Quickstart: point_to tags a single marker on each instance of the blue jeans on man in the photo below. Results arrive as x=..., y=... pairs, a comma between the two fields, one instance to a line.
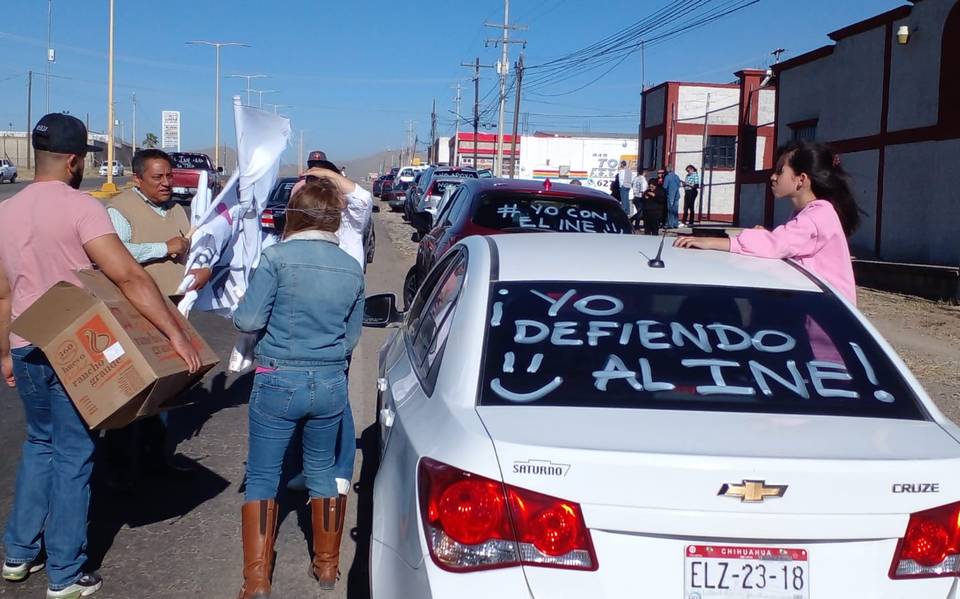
x=53, y=479
x=280, y=400
x=625, y=199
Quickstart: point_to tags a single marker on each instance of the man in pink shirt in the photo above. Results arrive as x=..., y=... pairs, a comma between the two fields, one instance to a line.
x=51, y=230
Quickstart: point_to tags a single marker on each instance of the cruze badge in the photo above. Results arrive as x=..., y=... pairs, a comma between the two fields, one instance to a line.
x=752, y=491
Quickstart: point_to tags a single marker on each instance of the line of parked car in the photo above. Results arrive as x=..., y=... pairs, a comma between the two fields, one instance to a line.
x=445, y=204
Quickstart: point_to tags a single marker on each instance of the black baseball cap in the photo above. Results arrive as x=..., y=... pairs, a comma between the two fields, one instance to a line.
x=61, y=134
x=317, y=158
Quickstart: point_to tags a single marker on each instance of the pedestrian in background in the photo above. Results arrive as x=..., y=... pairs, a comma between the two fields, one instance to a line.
x=50, y=231
x=825, y=215
x=671, y=185
x=691, y=187
x=625, y=182
x=654, y=206
x=305, y=300
x=639, y=187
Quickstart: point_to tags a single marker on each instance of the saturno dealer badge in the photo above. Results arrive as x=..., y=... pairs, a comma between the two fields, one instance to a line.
x=541, y=468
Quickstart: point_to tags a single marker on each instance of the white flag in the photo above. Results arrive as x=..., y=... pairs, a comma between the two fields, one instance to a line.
x=228, y=236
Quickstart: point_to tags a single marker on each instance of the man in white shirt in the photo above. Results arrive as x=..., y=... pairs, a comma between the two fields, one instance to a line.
x=639, y=187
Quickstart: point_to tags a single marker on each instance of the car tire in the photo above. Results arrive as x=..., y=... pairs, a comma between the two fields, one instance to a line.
x=13, y=179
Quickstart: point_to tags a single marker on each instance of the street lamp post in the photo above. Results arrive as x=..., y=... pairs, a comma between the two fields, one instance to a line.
x=217, y=45
x=109, y=186
x=260, y=93
x=248, y=78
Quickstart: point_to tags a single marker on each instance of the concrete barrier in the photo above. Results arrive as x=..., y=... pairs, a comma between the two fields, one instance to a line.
x=939, y=283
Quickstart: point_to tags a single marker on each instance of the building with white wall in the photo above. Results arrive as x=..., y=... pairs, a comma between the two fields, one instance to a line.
x=886, y=95
x=701, y=124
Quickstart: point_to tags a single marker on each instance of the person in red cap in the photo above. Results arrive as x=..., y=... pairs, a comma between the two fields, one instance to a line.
x=50, y=231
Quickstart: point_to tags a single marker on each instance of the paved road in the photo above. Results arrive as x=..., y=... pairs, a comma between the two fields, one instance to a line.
x=89, y=184
x=182, y=540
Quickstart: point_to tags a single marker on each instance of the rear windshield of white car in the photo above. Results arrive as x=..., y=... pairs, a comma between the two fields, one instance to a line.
x=512, y=211
x=679, y=347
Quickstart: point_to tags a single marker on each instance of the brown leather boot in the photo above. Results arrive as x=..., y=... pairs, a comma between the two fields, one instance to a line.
x=328, y=514
x=259, y=531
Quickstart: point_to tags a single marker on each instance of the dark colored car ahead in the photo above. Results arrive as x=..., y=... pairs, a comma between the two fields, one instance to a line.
x=395, y=194
x=274, y=217
x=496, y=206
x=377, y=188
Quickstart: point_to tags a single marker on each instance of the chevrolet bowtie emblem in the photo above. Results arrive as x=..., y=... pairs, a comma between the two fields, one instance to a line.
x=752, y=491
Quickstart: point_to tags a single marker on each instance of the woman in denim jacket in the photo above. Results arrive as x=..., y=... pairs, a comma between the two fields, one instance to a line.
x=306, y=302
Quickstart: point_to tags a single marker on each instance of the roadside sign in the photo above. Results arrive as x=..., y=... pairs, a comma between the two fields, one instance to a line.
x=170, y=132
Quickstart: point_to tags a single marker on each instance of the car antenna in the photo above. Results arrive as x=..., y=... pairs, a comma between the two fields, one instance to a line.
x=656, y=262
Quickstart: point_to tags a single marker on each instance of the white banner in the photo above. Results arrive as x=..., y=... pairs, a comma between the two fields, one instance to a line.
x=228, y=235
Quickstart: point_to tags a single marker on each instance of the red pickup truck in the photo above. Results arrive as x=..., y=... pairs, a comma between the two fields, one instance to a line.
x=186, y=174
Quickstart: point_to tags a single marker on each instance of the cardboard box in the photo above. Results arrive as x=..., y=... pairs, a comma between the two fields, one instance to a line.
x=114, y=364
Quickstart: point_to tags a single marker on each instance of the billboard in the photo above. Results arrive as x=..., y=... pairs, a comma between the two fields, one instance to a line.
x=170, y=130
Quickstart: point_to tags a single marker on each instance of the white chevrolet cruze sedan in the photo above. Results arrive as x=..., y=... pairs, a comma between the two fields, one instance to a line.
x=562, y=418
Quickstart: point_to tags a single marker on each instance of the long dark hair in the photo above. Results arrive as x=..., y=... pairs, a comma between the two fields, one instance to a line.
x=828, y=180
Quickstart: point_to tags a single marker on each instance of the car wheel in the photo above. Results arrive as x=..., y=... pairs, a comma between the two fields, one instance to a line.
x=13, y=179
x=410, y=286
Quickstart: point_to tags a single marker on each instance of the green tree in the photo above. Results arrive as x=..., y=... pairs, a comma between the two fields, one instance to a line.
x=150, y=141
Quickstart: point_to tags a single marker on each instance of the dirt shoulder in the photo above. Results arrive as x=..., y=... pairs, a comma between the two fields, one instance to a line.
x=926, y=334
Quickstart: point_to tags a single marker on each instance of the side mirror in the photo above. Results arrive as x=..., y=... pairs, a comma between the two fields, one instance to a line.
x=220, y=169
x=380, y=311
x=422, y=222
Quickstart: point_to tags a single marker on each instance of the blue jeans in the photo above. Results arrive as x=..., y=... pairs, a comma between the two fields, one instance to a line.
x=53, y=479
x=346, y=446
x=673, y=208
x=625, y=199
x=279, y=401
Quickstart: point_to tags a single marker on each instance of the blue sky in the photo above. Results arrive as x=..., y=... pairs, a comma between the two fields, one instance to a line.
x=356, y=72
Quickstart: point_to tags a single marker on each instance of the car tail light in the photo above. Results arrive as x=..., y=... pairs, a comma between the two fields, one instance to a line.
x=931, y=545
x=266, y=219
x=475, y=523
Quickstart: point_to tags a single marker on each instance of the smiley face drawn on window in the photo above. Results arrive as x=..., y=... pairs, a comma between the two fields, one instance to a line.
x=524, y=396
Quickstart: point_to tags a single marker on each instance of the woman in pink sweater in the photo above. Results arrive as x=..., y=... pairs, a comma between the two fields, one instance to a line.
x=825, y=214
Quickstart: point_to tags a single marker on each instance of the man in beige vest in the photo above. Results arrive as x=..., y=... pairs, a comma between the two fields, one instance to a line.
x=154, y=229
x=152, y=226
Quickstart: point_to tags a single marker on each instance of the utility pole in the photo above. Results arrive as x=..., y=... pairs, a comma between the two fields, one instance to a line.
x=216, y=112
x=133, y=142
x=776, y=54
x=476, y=106
x=503, y=70
x=456, y=138
x=51, y=55
x=643, y=88
x=29, y=115
x=516, y=119
x=410, y=148
x=431, y=153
